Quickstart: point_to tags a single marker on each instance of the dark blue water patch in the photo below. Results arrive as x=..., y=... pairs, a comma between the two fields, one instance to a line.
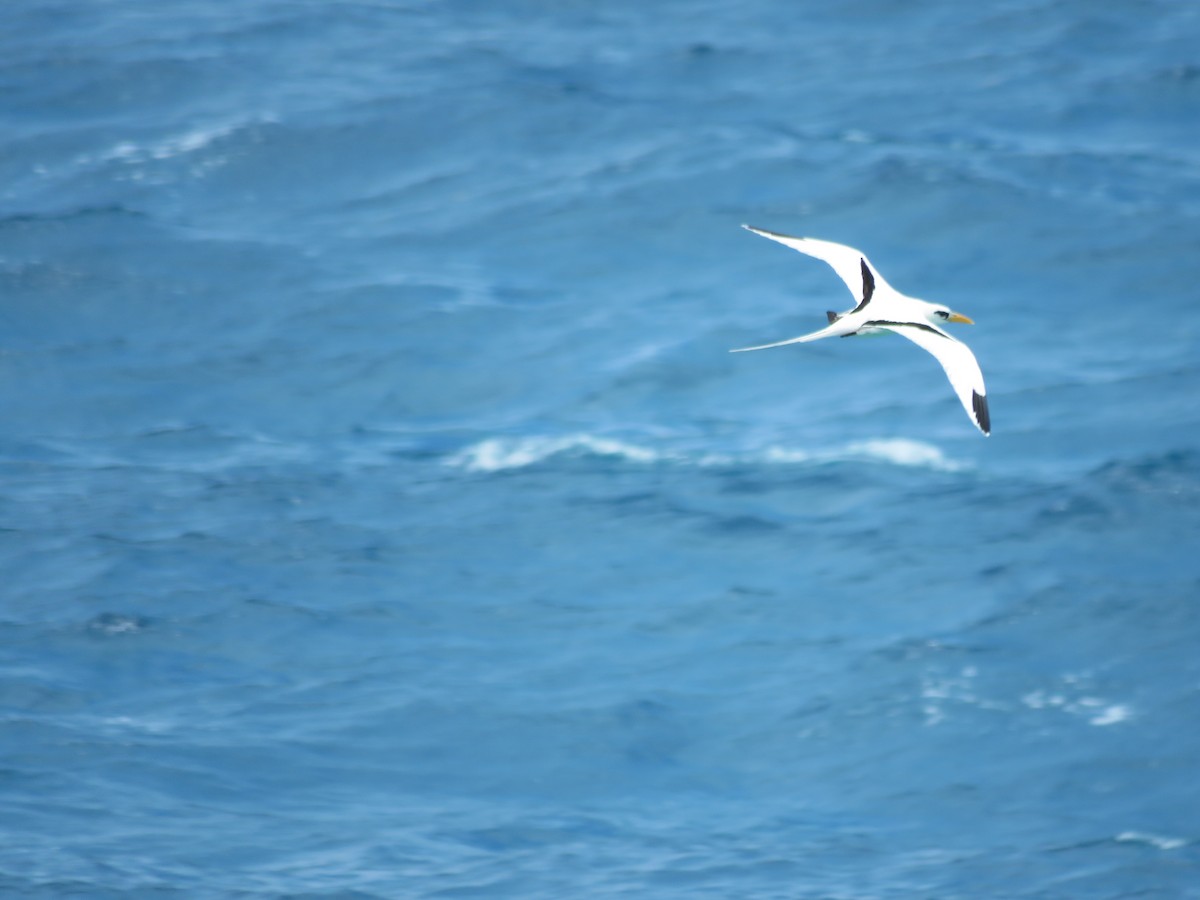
x=1176, y=474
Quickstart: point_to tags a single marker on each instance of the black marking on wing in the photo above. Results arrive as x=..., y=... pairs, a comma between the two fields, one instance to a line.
x=979, y=404
x=868, y=285
x=881, y=323
x=832, y=316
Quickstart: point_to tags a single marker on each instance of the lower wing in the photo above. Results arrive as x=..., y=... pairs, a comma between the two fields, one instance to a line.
x=961, y=368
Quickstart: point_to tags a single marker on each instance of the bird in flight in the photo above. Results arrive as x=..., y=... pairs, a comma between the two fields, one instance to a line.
x=881, y=308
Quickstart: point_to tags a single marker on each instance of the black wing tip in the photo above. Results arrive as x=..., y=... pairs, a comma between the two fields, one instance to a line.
x=982, y=418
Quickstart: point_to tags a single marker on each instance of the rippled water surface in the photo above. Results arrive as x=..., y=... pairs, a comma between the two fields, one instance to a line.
x=382, y=514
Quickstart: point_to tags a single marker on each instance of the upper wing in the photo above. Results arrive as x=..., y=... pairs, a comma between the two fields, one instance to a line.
x=960, y=365
x=834, y=328
x=851, y=266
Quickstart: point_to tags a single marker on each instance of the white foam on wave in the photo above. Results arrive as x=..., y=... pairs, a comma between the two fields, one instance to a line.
x=499, y=454
x=1154, y=840
x=1111, y=715
x=942, y=692
x=1096, y=710
x=896, y=451
x=504, y=453
x=188, y=142
x=180, y=144
x=902, y=452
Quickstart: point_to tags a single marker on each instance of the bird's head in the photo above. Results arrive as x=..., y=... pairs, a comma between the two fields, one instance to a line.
x=940, y=314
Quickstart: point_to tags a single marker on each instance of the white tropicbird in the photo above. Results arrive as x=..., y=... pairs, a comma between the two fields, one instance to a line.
x=882, y=308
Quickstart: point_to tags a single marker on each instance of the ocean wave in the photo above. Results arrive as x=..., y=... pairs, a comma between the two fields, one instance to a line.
x=1153, y=840
x=942, y=693
x=505, y=453
x=181, y=144
x=195, y=449
x=1097, y=711
x=499, y=454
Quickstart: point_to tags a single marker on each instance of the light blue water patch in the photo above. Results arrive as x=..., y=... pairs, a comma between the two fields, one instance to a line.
x=382, y=513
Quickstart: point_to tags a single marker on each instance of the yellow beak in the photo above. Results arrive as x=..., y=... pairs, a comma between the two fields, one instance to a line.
x=958, y=317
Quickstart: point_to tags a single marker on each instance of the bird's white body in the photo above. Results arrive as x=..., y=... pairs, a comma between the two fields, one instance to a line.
x=881, y=308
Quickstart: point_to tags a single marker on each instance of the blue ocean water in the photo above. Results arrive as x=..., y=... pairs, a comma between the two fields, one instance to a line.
x=382, y=514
